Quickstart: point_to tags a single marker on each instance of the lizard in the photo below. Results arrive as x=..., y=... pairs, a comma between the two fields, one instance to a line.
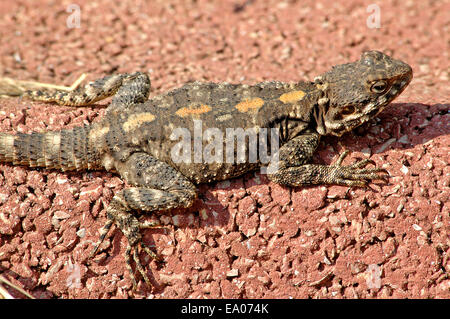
x=133, y=139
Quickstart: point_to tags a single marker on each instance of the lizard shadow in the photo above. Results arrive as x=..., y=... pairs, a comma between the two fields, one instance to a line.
x=419, y=122
x=400, y=126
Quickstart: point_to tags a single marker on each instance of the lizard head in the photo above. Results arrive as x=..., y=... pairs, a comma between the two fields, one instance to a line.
x=353, y=93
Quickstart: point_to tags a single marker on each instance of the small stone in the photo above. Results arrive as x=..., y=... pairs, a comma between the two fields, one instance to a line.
x=233, y=273
x=81, y=232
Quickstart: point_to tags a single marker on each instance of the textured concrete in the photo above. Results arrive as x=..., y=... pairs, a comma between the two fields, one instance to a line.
x=244, y=238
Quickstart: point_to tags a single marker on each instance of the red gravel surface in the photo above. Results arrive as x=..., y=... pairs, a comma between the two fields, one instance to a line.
x=247, y=237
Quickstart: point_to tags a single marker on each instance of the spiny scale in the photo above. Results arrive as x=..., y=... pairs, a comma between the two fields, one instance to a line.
x=65, y=150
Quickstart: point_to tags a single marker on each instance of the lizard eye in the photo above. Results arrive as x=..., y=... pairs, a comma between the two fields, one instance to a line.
x=379, y=87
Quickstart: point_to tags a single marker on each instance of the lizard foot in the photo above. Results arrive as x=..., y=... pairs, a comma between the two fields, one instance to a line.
x=356, y=174
x=131, y=227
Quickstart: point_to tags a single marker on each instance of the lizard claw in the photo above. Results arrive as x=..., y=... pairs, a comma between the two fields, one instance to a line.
x=134, y=243
x=356, y=174
x=132, y=252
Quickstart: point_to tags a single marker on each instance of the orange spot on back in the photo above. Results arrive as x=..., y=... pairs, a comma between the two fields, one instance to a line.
x=250, y=104
x=97, y=133
x=136, y=120
x=291, y=97
x=185, y=111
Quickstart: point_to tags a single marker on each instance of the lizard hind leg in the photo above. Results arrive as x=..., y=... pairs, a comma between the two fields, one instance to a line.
x=130, y=226
x=120, y=212
x=130, y=88
x=156, y=187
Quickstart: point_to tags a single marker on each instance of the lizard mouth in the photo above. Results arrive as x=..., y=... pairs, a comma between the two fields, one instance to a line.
x=347, y=122
x=372, y=109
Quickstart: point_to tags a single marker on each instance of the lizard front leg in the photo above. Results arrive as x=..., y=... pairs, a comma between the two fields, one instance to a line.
x=294, y=169
x=157, y=186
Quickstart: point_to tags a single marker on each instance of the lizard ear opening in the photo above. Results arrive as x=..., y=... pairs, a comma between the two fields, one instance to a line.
x=349, y=109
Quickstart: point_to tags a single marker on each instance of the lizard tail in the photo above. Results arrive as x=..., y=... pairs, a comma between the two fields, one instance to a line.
x=65, y=150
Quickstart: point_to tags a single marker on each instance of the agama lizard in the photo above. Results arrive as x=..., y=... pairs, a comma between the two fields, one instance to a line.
x=134, y=138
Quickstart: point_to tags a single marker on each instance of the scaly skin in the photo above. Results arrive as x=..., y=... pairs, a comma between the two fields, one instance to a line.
x=136, y=137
